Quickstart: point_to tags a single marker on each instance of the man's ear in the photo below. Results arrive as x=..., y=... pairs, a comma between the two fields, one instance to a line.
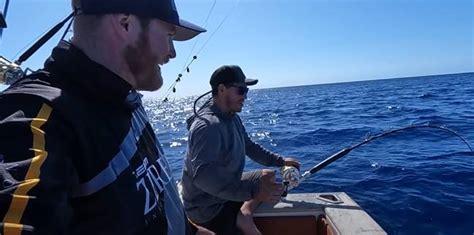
x=124, y=21
x=221, y=88
x=119, y=23
x=122, y=26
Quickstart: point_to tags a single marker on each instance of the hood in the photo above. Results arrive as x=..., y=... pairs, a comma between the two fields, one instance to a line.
x=208, y=110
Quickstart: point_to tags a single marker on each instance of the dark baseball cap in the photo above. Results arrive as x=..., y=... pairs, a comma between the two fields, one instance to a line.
x=164, y=10
x=228, y=74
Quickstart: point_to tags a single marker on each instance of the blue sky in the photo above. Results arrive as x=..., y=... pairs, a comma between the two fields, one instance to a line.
x=292, y=42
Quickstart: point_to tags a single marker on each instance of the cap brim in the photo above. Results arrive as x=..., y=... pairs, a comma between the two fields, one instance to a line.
x=186, y=30
x=250, y=81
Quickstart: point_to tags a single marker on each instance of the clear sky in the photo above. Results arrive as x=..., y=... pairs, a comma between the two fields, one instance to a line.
x=291, y=42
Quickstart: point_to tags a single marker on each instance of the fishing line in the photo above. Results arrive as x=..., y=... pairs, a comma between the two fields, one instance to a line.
x=196, y=41
x=67, y=29
x=293, y=178
x=186, y=64
x=218, y=27
x=172, y=88
x=5, y=10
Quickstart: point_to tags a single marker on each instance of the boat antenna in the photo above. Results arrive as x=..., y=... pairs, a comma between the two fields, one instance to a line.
x=345, y=151
x=186, y=67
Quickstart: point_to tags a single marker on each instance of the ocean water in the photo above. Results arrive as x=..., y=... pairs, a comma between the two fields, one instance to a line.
x=414, y=182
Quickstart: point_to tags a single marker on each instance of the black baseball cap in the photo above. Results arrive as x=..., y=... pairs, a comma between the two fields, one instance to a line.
x=164, y=10
x=228, y=74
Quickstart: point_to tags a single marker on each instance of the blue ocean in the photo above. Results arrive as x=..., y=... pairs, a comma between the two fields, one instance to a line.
x=419, y=181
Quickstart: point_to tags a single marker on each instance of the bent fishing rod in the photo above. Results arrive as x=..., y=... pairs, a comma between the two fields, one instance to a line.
x=292, y=178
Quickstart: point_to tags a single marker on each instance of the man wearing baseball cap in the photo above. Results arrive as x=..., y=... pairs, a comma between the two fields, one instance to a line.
x=217, y=194
x=77, y=152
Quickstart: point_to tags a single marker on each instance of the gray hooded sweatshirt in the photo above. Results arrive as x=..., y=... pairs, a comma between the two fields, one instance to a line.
x=213, y=168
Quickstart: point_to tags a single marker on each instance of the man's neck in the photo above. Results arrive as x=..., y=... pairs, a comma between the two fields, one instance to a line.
x=106, y=54
x=221, y=105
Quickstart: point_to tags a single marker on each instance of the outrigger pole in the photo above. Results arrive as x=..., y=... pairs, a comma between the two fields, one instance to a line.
x=3, y=16
x=43, y=40
x=10, y=72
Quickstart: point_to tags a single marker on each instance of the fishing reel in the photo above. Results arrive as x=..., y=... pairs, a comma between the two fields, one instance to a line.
x=10, y=72
x=290, y=178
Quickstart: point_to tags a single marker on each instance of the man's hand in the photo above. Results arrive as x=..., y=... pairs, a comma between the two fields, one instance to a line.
x=292, y=162
x=269, y=190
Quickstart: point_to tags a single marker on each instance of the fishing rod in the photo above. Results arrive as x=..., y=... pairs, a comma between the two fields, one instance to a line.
x=10, y=72
x=291, y=175
x=28, y=53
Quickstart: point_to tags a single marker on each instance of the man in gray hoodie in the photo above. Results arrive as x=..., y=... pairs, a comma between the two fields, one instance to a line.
x=217, y=194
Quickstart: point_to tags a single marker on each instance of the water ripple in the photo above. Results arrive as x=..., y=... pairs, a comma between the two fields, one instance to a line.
x=416, y=182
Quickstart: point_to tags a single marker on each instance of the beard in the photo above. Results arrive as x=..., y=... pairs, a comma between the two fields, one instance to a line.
x=233, y=105
x=143, y=64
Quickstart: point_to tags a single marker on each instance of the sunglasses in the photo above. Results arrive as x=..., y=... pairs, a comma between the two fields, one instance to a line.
x=242, y=90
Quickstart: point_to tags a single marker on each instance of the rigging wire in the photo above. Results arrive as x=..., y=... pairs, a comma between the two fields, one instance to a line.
x=67, y=29
x=218, y=27
x=196, y=41
x=186, y=68
x=5, y=10
x=186, y=64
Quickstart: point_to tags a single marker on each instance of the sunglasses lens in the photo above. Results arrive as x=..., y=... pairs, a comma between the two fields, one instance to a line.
x=243, y=90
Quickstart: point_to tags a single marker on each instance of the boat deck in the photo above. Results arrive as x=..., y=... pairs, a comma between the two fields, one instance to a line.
x=315, y=213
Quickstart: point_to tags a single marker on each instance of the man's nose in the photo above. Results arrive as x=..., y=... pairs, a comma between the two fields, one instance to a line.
x=172, y=51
